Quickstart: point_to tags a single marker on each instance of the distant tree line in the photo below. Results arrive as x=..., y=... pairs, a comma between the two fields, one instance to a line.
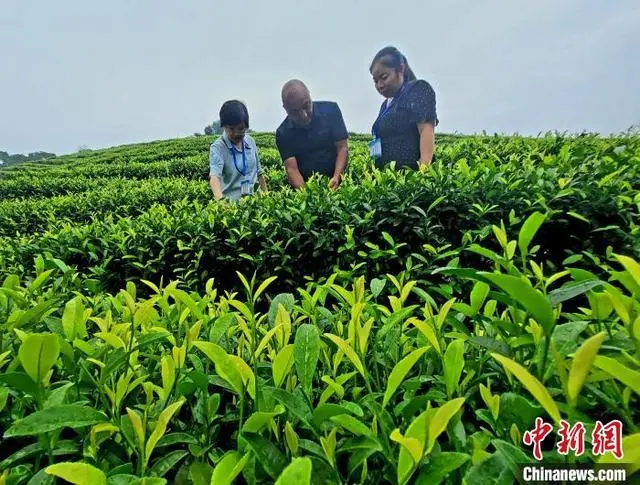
x=214, y=129
x=6, y=159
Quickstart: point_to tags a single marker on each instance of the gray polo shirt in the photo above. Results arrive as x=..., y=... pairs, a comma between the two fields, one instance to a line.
x=221, y=165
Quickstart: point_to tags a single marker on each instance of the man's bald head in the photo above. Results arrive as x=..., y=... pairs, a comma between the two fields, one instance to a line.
x=296, y=101
x=294, y=89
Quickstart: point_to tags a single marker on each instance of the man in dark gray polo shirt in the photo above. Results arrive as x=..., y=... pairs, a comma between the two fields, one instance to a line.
x=312, y=138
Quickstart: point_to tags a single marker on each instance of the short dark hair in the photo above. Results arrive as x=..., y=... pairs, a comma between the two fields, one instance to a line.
x=393, y=59
x=233, y=113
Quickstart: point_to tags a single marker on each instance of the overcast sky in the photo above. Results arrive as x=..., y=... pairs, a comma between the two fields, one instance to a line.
x=101, y=73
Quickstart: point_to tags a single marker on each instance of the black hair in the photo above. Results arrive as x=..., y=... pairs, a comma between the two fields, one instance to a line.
x=393, y=59
x=233, y=113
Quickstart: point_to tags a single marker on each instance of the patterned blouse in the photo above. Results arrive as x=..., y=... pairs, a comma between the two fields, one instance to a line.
x=398, y=130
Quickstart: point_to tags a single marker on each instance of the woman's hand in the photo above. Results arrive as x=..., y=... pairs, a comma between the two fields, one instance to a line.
x=216, y=187
x=262, y=182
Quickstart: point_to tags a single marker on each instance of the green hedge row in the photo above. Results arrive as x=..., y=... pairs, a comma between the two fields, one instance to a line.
x=593, y=205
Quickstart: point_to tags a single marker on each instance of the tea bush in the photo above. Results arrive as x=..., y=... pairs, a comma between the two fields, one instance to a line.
x=407, y=328
x=592, y=204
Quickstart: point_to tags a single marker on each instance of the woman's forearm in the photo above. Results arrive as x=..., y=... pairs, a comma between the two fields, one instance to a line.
x=216, y=188
x=427, y=142
x=263, y=183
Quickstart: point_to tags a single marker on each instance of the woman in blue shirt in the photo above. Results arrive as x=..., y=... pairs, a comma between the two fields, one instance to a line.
x=404, y=130
x=234, y=163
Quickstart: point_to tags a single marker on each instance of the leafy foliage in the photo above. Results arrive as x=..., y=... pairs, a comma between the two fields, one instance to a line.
x=408, y=328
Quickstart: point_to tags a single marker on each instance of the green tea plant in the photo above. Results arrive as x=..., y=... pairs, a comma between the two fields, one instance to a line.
x=297, y=234
x=407, y=328
x=343, y=382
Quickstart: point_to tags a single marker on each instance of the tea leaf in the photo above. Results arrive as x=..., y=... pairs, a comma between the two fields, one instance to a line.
x=37, y=283
x=427, y=331
x=377, y=285
x=270, y=457
x=265, y=341
x=531, y=299
x=175, y=438
x=328, y=444
x=78, y=473
x=479, y=294
x=73, y=319
x=491, y=344
x=220, y=327
x=533, y=385
x=58, y=396
x=229, y=467
x=412, y=445
x=4, y=396
x=258, y=420
x=439, y=466
x=282, y=364
x=161, y=427
x=37, y=355
x=453, y=364
x=297, y=472
x=631, y=266
x=306, y=353
x=490, y=471
x=351, y=424
x=528, y=231
x=295, y=405
x=571, y=290
x=348, y=351
x=512, y=456
x=148, y=481
x=166, y=463
x=168, y=373
x=440, y=419
x=263, y=287
x=581, y=365
x=55, y=418
x=325, y=411
x=287, y=300
x=200, y=473
x=622, y=373
x=400, y=371
x=291, y=438
x=138, y=428
x=225, y=368
x=565, y=336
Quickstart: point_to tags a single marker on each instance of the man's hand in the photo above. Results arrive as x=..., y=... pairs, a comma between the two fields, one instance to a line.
x=334, y=183
x=424, y=166
x=342, y=153
x=293, y=173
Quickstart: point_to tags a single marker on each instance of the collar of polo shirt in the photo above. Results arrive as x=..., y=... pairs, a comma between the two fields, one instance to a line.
x=230, y=145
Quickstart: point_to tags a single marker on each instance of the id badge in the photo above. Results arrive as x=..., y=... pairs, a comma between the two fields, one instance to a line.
x=245, y=187
x=375, y=148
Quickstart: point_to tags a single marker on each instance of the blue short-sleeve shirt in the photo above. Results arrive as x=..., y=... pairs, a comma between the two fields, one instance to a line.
x=222, y=166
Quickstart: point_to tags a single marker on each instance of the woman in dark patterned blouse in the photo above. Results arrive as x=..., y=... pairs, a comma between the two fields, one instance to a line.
x=404, y=130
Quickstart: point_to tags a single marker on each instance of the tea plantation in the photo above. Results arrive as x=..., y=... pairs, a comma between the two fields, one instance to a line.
x=407, y=328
